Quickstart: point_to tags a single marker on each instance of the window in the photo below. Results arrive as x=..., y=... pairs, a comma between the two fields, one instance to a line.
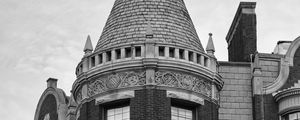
x=128, y=52
x=191, y=56
x=181, y=114
x=93, y=61
x=161, y=51
x=181, y=53
x=205, y=61
x=292, y=116
x=100, y=58
x=108, y=56
x=138, y=51
x=171, y=52
x=121, y=113
x=198, y=58
x=118, y=53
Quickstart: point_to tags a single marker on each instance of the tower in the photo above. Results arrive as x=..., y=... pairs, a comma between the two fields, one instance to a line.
x=148, y=64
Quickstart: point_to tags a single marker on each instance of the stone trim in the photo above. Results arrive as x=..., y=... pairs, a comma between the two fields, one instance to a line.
x=169, y=64
x=80, y=69
x=134, y=80
x=225, y=63
x=286, y=93
x=60, y=100
x=286, y=63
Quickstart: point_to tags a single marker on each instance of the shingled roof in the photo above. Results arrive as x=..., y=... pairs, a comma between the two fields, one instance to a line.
x=169, y=19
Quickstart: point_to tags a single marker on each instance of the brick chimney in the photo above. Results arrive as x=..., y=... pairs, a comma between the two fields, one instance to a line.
x=241, y=37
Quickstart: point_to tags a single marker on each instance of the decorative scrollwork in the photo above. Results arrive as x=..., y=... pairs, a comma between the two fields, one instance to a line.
x=114, y=81
x=184, y=81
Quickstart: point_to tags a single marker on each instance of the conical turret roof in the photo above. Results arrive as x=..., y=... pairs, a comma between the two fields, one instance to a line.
x=169, y=20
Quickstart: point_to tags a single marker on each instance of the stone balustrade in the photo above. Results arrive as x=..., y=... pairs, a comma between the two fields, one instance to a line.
x=137, y=51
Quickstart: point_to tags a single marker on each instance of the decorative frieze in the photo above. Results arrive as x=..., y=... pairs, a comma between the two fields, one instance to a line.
x=138, y=78
x=117, y=80
x=184, y=81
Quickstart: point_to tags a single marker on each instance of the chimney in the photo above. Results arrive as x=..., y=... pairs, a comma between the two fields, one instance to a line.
x=241, y=37
x=52, y=82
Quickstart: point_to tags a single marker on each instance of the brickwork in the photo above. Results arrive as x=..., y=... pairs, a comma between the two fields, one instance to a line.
x=208, y=112
x=150, y=104
x=49, y=106
x=269, y=71
x=294, y=75
x=265, y=107
x=169, y=19
x=90, y=111
x=242, y=36
x=236, y=95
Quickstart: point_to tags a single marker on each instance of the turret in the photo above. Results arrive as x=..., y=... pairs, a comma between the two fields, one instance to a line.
x=88, y=47
x=210, y=48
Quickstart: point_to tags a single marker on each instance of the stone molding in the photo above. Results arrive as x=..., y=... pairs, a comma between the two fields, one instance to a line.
x=286, y=93
x=184, y=81
x=133, y=80
x=288, y=100
x=170, y=64
x=60, y=101
x=286, y=63
x=115, y=81
x=85, y=67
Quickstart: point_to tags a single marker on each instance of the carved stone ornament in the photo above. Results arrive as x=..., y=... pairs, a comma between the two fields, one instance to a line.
x=117, y=80
x=184, y=81
x=79, y=95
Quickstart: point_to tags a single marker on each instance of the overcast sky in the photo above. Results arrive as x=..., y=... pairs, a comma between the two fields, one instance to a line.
x=44, y=38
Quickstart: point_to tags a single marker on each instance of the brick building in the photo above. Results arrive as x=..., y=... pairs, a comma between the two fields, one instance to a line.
x=149, y=64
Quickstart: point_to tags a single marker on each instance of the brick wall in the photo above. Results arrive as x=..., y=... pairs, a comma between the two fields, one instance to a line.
x=242, y=34
x=150, y=104
x=49, y=106
x=265, y=107
x=236, y=95
x=270, y=66
x=90, y=111
x=269, y=71
x=208, y=112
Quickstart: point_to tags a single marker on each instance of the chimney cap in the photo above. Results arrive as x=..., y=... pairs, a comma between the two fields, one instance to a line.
x=52, y=82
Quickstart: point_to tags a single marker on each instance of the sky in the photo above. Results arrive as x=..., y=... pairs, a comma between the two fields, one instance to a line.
x=45, y=38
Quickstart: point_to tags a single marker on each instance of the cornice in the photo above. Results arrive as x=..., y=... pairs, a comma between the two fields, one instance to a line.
x=286, y=93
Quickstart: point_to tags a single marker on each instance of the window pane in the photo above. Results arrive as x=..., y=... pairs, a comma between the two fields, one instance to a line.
x=126, y=115
x=189, y=114
x=110, y=112
x=181, y=114
x=122, y=113
x=118, y=117
x=293, y=116
x=126, y=109
x=111, y=118
x=118, y=111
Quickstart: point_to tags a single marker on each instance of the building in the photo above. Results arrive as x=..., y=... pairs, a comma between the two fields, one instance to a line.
x=149, y=64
